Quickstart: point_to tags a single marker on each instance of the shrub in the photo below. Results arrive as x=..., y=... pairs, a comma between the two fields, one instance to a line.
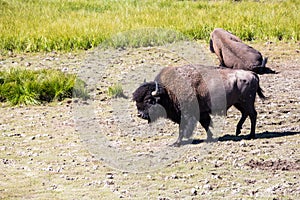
x=29, y=87
x=116, y=90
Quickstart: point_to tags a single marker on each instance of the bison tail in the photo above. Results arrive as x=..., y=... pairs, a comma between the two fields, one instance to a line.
x=260, y=93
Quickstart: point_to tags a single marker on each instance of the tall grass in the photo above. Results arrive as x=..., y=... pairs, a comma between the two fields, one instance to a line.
x=20, y=86
x=66, y=25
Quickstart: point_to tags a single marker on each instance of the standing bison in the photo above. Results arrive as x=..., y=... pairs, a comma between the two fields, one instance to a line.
x=188, y=94
x=233, y=53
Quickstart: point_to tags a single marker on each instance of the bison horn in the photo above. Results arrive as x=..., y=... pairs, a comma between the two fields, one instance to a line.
x=155, y=93
x=264, y=62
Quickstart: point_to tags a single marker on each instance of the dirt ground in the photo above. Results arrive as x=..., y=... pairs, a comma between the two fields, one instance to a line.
x=99, y=149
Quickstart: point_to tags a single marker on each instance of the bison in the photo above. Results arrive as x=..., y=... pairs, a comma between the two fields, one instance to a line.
x=188, y=94
x=233, y=53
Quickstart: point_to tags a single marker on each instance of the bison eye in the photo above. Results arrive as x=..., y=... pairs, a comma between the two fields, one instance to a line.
x=150, y=101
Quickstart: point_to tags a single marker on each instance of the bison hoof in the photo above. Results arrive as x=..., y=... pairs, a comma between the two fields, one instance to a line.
x=175, y=144
x=237, y=132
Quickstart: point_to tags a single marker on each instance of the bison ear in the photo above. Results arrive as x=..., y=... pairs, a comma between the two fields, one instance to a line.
x=144, y=80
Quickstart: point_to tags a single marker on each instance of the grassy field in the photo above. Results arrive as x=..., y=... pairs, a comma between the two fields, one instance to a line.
x=48, y=25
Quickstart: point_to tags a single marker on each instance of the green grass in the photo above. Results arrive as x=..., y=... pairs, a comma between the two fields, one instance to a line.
x=65, y=25
x=115, y=90
x=20, y=86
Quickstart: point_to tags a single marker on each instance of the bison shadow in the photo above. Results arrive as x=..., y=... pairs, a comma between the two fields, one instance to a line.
x=263, y=135
x=265, y=70
x=259, y=70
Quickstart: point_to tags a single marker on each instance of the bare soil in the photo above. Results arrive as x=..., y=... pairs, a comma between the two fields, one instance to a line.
x=274, y=165
x=44, y=153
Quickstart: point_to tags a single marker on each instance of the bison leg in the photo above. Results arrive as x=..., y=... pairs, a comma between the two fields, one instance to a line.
x=179, y=140
x=205, y=121
x=247, y=111
x=253, y=116
x=240, y=124
x=186, y=128
x=242, y=120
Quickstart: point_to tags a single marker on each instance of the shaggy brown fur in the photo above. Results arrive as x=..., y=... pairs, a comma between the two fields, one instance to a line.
x=233, y=53
x=190, y=93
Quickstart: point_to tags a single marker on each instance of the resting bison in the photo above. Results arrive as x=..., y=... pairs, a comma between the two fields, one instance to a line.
x=185, y=95
x=233, y=53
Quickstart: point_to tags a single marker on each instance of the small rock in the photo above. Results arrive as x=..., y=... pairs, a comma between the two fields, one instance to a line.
x=96, y=167
x=217, y=176
x=70, y=101
x=53, y=187
x=109, y=176
x=70, y=178
x=48, y=59
x=108, y=182
x=85, y=103
x=250, y=181
x=243, y=144
x=174, y=176
x=3, y=148
x=65, y=69
x=149, y=176
x=207, y=187
x=17, y=135
x=197, y=187
x=163, y=198
x=194, y=192
x=27, y=64
x=177, y=191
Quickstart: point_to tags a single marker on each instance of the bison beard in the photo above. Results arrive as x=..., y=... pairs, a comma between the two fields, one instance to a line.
x=181, y=95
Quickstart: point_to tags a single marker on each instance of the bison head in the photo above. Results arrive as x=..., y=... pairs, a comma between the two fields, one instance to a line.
x=147, y=98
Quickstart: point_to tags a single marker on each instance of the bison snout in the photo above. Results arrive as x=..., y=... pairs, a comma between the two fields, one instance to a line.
x=142, y=115
x=139, y=114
